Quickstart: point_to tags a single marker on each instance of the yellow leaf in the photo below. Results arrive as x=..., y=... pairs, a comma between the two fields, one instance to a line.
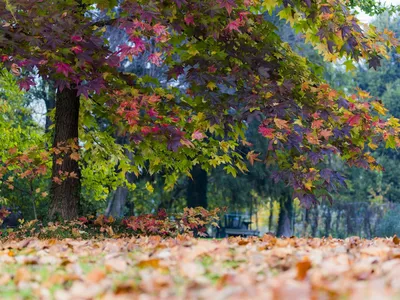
x=270, y=5
x=308, y=185
x=211, y=85
x=372, y=146
x=149, y=187
x=379, y=107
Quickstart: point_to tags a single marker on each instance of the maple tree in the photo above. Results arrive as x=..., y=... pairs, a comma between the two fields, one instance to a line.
x=236, y=68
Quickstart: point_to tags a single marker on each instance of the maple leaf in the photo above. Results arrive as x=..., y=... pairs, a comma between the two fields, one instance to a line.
x=212, y=69
x=312, y=139
x=155, y=58
x=252, y=157
x=281, y=124
x=76, y=38
x=26, y=83
x=77, y=49
x=227, y=4
x=189, y=19
x=63, y=68
x=266, y=132
x=326, y=133
x=211, y=85
x=197, y=135
x=354, y=120
x=75, y=156
x=57, y=180
x=234, y=25
x=316, y=124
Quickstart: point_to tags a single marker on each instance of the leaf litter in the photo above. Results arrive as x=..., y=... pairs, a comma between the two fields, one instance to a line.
x=189, y=268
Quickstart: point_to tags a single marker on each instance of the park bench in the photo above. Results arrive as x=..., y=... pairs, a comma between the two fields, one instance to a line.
x=236, y=225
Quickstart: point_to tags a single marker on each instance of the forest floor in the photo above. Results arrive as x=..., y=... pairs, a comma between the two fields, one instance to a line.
x=188, y=268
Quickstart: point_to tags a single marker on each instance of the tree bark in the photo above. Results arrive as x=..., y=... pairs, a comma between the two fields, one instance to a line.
x=65, y=195
x=328, y=220
x=197, y=188
x=271, y=214
x=306, y=221
x=117, y=202
x=285, y=217
x=315, y=221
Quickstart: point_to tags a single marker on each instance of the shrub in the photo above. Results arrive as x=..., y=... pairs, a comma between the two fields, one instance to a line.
x=192, y=221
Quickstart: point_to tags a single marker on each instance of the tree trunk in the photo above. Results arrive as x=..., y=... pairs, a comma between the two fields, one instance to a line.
x=197, y=188
x=271, y=214
x=315, y=220
x=117, y=202
x=285, y=217
x=306, y=221
x=65, y=195
x=328, y=220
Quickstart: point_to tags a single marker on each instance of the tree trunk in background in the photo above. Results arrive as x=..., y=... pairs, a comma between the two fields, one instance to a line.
x=339, y=215
x=306, y=221
x=117, y=202
x=271, y=214
x=65, y=196
x=349, y=220
x=328, y=220
x=197, y=188
x=285, y=217
x=315, y=220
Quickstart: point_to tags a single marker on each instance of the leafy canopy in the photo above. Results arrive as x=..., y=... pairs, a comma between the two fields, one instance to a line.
x=227, y=67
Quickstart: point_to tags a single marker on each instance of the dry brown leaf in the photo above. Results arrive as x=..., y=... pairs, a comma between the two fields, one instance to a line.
x=149, y=263
x=95, y=276
x=302, y=268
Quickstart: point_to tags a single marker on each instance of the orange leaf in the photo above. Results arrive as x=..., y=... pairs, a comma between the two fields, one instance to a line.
x=302, y=268
x=281, y=124
x=252, y=157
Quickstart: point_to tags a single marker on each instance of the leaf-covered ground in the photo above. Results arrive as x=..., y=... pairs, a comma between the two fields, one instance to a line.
x=188, y=268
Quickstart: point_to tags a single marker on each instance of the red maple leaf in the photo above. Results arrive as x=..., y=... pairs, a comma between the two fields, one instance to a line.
x=76, y=38
x=155, y=58
x=316, y=124
x=63, y=68
x=189, y=20
x=227, y=4
x=234, y=25
x=77, y=49
x=354, y=120
x=266, y=132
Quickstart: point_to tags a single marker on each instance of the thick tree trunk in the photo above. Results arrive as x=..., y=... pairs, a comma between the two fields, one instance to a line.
x=285, y=217
x=65, y=195
x=197, y=188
